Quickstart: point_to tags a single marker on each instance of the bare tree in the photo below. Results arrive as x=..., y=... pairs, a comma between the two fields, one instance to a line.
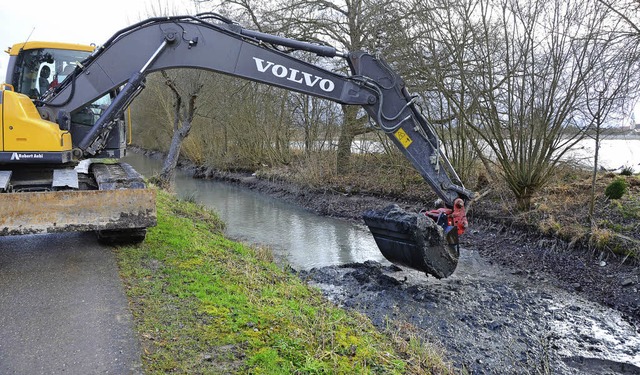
x=316, y=118
x=626, y=11
x=348, y=24
x=607, y=100
x=524, y=73
x=513, y=72
x=185, y=87
x=437, y=59
x=184, y=109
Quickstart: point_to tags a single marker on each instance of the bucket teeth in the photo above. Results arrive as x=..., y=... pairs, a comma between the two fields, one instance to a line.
x=414, y=240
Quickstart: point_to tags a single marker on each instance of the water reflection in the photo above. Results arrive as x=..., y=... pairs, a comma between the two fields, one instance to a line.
x=301, y=237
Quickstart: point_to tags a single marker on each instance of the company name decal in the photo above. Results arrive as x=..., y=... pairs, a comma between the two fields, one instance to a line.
x=21, y=156
x=294, y=75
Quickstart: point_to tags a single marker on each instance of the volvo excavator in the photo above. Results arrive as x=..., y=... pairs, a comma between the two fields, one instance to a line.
x=63, y=130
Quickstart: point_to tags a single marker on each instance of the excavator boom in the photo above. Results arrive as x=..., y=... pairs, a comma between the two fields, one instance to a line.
x=208, y=41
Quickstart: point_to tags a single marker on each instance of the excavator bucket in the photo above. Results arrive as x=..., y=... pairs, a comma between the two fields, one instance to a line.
x=414, y=240
x=66, y=211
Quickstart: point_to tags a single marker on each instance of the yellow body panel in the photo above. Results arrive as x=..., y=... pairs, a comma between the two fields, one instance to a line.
x=15, y=49
x=24, y=130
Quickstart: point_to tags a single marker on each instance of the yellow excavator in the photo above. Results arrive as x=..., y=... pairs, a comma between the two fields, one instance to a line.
x=44, y=187
x=62, y=126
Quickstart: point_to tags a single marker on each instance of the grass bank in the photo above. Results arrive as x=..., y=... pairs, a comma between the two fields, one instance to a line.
x=206, y=305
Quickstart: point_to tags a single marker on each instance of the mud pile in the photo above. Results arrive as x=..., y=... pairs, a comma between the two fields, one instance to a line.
x=488, y=320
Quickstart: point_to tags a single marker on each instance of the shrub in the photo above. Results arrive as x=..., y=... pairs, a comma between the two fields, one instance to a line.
x=616, y=189
x=626, y=171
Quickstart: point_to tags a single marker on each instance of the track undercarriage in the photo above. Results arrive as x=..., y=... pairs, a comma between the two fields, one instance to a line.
x=110, y=199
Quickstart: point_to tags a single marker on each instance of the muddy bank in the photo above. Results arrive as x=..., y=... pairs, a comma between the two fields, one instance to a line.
x=607, y=281
x=518, y=303
x=490, y=322
x=535, y=307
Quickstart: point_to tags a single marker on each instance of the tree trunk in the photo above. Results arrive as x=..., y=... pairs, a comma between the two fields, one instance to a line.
x=523, y=202
x=592, y=201
x=166, y=180
x=183, y=117
x=343, y=158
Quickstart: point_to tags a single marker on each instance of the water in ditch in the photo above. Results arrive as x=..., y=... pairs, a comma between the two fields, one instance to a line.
x=300, y=237
x=488, y=320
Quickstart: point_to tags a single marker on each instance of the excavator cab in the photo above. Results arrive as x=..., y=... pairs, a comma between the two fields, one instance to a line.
x=35, y=67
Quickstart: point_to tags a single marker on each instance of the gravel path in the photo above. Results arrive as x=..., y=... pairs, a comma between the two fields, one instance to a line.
x=63, y=308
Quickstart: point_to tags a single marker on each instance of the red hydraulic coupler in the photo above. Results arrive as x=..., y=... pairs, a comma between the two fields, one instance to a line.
x=455, y=217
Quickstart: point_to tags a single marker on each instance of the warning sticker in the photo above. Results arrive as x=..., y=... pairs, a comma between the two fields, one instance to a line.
x=403, y=138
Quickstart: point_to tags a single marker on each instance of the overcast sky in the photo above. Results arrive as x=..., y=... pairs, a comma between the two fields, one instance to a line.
x=72, y=21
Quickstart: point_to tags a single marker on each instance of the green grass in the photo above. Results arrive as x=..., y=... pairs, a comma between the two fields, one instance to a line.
x=206, y=305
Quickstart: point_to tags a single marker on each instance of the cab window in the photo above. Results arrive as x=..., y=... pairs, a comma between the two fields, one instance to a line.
x=44, y=68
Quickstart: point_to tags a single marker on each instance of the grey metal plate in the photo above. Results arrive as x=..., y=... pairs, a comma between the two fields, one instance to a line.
x=83, y=166
x=65, y=177
x=5, y=177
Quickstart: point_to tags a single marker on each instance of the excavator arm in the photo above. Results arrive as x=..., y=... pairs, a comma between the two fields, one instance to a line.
x=212, y=42
x=193, y=42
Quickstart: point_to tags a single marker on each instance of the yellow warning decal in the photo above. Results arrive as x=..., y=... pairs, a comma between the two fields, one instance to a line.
x=403, y=138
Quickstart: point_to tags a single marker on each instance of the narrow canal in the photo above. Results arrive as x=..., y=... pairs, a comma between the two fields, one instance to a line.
x=300, y=237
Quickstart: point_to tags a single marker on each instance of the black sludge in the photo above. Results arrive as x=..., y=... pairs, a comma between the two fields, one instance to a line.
x=412, y=240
